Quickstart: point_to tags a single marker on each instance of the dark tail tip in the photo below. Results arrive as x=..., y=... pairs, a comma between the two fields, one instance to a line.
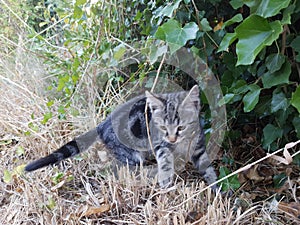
x=66, y=151
x=48, y=160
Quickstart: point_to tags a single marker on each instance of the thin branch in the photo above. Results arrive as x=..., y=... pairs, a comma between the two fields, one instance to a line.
x=158, y=72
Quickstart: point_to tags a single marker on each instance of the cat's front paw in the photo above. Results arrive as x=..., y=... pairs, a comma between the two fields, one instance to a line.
x=215, y=188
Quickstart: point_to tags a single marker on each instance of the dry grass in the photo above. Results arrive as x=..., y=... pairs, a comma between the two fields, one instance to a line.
x=85, y=191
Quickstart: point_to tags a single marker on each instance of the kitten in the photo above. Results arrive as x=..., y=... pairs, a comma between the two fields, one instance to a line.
x=175, y=135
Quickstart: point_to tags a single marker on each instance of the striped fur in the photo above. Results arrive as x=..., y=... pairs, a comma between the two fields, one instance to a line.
x=175, y=135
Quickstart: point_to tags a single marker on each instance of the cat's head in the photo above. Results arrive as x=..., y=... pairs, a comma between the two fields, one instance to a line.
x=175, y=115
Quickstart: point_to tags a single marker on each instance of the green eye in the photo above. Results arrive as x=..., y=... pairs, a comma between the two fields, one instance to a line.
x=180, y=128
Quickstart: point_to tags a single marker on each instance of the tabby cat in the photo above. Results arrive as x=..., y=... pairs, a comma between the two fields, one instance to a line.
x=164, y=126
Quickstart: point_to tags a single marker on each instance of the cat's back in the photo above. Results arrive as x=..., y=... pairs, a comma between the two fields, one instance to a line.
x=128, y=123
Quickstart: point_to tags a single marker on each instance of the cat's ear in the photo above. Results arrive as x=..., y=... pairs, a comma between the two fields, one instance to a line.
x=153, y=102
x=192, y=99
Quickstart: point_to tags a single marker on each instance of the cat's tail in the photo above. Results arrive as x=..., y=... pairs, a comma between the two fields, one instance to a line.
x=72, y=148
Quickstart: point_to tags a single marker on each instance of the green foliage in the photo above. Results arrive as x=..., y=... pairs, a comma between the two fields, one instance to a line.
x=61, y=177
x=251, y=45
x=296, y=46
x=296, y=99
x=251, y=98
x=279, y=180
x=230, y=183
x=296, y=160
x=274, y=62
x=8, y=176
x=175, y=35
x=20, y=151
x=255, y=30
x=271, y=133
x=50, y=204
x=279, y=101
x=278, y=77
x=266, y=8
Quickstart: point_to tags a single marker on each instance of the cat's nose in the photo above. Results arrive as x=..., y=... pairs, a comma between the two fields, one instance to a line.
x=172, y=139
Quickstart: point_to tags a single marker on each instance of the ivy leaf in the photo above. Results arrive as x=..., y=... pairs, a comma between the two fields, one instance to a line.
x=227, y=98
x=286, y=17
x=279, y=77
x=296, y=123
x=175, y=35
x=236, y=19
x=274, y=62
x=263, y=106
x=254, y=33
x=266, y=8
x=227, y=40
x=229, y=183
x=236, y=3
x=251, y=98
x=167, y=10
x=296, y=46
x=279, y=101
x=157, y=51
x=296, y=99
x=271, y=133
x=205, y=25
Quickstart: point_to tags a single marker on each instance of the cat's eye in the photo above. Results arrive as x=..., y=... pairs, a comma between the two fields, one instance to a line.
x=180, y=128
x=163, y=128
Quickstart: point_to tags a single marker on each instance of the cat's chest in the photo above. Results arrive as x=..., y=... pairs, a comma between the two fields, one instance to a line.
x=185, y=148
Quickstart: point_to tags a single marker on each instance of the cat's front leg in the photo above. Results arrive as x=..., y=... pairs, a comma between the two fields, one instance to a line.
x=165, y=163
x=202, y=162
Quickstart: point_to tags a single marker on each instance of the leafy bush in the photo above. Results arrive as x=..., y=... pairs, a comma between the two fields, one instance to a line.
x=252, y=46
